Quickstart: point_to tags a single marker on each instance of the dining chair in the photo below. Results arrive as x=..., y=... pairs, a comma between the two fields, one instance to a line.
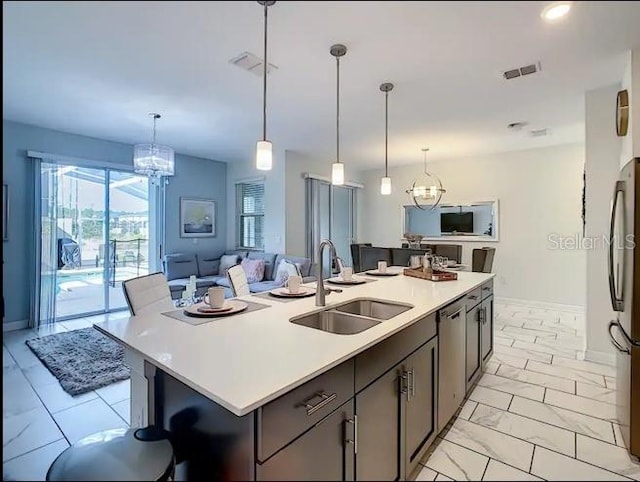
x=482, y=260
x=147, y=294
x=238, y=281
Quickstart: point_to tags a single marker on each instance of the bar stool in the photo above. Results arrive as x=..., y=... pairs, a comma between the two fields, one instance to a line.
x=120, y=454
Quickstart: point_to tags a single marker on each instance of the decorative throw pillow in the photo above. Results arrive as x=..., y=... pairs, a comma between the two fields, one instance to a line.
x=226, y=262
x=285, y=269
x=254, y=269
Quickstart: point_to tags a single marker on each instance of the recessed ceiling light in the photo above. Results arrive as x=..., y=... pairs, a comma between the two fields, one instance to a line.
x=555, y=11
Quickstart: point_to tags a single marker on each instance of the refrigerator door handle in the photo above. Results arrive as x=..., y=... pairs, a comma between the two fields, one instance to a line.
x=615, y=342
x=616, y=303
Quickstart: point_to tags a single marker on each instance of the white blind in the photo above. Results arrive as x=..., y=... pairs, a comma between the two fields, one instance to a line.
x=250, y=215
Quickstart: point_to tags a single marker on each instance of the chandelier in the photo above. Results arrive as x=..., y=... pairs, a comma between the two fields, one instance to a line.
x=153, y=160
x=427, y=192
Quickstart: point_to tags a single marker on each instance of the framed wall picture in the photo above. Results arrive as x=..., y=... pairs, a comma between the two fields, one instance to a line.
x=5, y=211
x=197, y=218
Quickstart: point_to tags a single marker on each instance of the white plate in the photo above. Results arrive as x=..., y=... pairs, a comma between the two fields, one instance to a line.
x=284, y=292
x=236, y=307
x=340, y=281
x=378, y=273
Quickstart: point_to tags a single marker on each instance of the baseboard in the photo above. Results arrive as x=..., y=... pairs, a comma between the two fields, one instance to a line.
x=542, y=304
x=600, y=357
x=15, y=325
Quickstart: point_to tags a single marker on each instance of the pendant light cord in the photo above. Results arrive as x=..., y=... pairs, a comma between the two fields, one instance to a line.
x=337, y=109
x=386, y=134
x=155, y=118
x=425, y=160
x=264, y=79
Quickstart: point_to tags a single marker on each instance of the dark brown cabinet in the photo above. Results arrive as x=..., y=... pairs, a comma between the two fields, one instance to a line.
x=378, y=412
x=396, y=413
x=472, y=345
x=325, y=452
x=486, y=330
x=420, y=370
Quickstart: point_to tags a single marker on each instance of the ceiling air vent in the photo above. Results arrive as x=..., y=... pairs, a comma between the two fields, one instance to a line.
x=539, y=132
x=252, y=63
x=519, y=72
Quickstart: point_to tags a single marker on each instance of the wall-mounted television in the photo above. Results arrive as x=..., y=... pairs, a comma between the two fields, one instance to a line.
x=456, y=222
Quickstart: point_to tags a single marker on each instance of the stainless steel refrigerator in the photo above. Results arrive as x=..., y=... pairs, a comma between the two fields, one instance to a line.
x=624, y=286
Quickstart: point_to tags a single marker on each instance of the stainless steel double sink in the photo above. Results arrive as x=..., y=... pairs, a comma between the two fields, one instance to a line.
x=352, y=316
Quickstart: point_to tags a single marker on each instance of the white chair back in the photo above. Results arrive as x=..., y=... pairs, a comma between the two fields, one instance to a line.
x=147, y=294
x=238, y=281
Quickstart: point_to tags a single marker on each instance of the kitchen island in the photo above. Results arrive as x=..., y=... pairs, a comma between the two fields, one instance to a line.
x=257, y=397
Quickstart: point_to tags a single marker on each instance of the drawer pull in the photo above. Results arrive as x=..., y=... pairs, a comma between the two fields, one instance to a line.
x=486, y=288
x=324, y=400
x=473, y=297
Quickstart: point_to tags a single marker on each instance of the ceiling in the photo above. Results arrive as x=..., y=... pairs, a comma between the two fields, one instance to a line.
x=98, y=69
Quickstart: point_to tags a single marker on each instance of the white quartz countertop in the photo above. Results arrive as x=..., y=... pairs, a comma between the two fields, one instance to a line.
x=244, y=361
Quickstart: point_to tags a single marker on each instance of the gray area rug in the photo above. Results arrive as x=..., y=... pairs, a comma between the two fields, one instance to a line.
x=81, y=360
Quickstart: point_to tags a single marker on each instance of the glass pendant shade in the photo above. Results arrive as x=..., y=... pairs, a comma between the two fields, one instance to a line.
x=385, y=186
x=264, y=156
x=427, y=192
x=153, y=160
x=337, y=173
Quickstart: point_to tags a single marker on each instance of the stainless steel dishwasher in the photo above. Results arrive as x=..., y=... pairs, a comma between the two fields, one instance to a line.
x=452, y=322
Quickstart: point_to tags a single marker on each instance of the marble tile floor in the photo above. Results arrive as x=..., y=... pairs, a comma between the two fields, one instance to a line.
x=539, y=412
x=39, y=418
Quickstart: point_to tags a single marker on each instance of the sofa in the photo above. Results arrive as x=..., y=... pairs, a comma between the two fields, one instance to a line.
x=206, y=266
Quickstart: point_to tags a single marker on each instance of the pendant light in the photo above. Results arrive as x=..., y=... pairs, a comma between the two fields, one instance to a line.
x=153, y=160
x=337, y=168
x=385, y=182
x=426, y=193
x=264, y=148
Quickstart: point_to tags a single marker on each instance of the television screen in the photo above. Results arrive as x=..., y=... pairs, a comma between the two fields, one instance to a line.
x=456, y=222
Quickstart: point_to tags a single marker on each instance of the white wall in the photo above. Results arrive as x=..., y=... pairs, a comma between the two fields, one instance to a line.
x=540, y=194
x=602, y=149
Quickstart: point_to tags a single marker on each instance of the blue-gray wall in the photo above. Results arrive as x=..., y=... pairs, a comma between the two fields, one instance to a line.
x=195, y=177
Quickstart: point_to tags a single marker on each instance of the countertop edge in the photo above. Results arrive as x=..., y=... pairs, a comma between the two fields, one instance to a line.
x=244, y=410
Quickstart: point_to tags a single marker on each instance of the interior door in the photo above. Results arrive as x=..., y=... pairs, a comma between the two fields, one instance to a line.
x=378, y=411
x=420, y=421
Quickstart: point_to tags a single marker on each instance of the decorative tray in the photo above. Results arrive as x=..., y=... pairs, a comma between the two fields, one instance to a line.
x=433, y=275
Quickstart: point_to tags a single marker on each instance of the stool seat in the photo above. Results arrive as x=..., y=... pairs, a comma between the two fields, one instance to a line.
x=118, y=454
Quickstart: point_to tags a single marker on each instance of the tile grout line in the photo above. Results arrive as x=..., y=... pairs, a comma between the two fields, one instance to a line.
x=546, y=448
x=485, y=468
x=487, y=456
x=586, y=382
x=533, y=454
x=37, y=448
x=531, y=383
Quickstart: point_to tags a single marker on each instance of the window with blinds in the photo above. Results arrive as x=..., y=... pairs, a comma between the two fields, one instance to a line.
x=250, y=215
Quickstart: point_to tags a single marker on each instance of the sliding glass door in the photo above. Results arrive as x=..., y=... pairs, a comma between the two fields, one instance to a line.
x=94, y=234
x=331, y=214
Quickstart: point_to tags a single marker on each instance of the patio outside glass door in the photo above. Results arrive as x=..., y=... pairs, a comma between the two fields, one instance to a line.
x=95, y=233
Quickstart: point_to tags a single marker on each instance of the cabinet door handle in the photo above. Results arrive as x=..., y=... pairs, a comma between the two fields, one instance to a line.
x=354, y=442
x=412, y=383
x=404, y=383
x=324, y=400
